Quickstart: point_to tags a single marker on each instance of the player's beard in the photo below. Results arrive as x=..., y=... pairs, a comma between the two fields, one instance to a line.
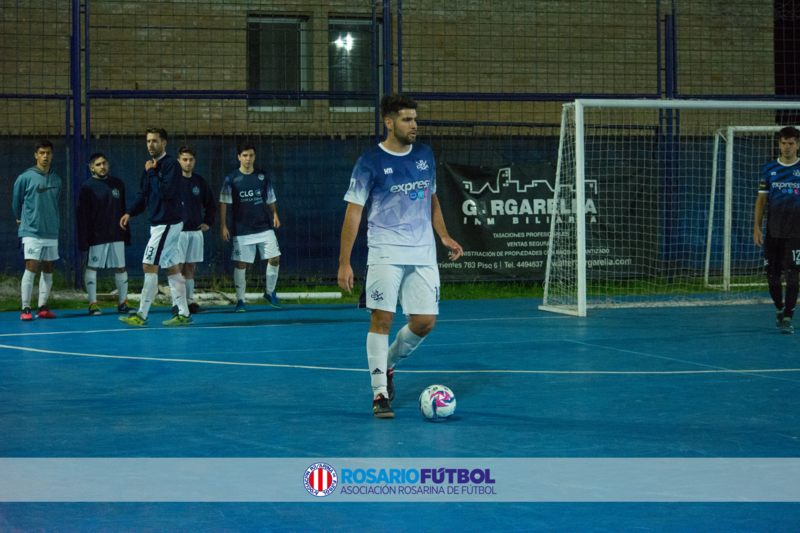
x=405, y=140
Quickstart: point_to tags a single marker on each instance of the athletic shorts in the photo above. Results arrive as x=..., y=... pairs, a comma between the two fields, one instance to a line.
x=40, y=249
x=246, y=253
x=781, y=254
x=190, y=247
x=162, y=248
x=415, y=287
x=107, y=255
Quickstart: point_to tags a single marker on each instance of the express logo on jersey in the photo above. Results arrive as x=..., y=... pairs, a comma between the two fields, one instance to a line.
x=408, y=188
x=196, y=190
x=115, y=193
x=320, y=479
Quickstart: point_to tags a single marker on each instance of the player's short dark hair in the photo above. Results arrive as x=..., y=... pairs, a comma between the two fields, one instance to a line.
x=245, y=146
x=95, y=156
x=789, y=132
x=186, y=149
x=161, y=132
x=42, y=143
x=391, y=104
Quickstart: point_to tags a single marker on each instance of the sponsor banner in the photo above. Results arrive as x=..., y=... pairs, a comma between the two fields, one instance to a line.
x=335, y=480
x=501, y=216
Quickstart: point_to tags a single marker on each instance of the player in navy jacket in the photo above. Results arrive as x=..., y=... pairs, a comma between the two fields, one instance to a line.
x=101, y=240
x=160, y=194
x=779, y=188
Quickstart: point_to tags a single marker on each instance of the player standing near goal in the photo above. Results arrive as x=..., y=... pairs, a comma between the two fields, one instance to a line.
x=160, y=194
x=249, y=192
x=35, y=206
x=102, y=242
x=779, y=188
x=199, y=208
x=400, y=179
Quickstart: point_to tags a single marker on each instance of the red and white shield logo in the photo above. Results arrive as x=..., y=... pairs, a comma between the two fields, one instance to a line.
x=320, y=479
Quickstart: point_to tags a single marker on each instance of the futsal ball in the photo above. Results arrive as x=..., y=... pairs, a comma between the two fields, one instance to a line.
x=437, y=402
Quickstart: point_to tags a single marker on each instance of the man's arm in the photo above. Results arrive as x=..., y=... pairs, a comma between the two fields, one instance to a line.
x=352, y=219
x=276, y=222
x=19, y=197
x=761, y=206
x=223, y=228
x=438, y=224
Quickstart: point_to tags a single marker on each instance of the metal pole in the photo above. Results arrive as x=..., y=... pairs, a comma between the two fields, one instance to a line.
x=75, y=87
x=580, y=197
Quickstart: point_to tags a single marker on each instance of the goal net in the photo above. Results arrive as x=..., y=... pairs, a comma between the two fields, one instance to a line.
x=654, y=204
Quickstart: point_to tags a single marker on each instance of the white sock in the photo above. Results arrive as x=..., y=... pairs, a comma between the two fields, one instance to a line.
x=272, y=277
x=27, y=288
x=149, y=290
x=405, y=343
x=177, y=286
x=189, y=290
x=45, y=282
x=377, y=352
x=122, y=286
x=90, y=279
x=239, y=282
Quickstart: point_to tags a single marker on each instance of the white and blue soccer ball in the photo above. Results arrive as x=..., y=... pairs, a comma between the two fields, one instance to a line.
x=437, y=402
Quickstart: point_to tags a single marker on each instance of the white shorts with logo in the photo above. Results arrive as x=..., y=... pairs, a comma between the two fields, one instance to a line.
x=190, y=247
x=246, y=253
x=162, y=248
x=40, y=249
x=107, y=255
x=416, y=287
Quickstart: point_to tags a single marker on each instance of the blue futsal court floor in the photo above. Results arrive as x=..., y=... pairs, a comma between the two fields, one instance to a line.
x=705, y=382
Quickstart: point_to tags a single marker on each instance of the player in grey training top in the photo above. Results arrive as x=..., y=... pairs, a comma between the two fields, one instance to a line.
x=400, y=179
x=35, y=205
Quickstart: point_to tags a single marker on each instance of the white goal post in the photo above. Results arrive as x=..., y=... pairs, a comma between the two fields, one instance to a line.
x=634, y=223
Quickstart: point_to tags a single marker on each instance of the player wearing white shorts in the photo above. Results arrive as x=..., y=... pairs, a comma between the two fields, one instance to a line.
x=254, y=218
x=101, y=241
x=160, y=194
x=199, y=208
x=399, y=177
x=35, y=206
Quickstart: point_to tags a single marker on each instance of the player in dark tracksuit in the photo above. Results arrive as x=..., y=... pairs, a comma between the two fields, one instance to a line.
x=160, y=194
x=779, y=188
x=102, y=242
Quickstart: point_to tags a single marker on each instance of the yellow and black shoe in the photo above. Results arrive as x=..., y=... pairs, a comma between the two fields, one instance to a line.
x=381, y=407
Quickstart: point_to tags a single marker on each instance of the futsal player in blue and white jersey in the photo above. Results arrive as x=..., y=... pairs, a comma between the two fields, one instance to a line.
x=101, y=241
x=779, y=189
x=35, y=206
x=249, y=192
x=399, y=177
x=160, y=194
x=199, y=209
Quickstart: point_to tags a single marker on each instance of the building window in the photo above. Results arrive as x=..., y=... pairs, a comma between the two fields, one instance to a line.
x=277, y=60
x=350, y=62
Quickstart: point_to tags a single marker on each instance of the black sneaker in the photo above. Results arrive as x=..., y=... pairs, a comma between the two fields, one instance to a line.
x=390, y=383
x=778, y=319
x=786, y=325
x=175, y=311
x=381, y=407
x=196, y=309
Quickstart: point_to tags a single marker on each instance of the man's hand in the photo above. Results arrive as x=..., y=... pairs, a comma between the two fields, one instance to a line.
x=758, y=237
x=455, y=249
x=123, y=222
x=276, y=222
x=346, y=278
x=151, y=163
x=19, y=222
x=203, y=227
x=225, y=234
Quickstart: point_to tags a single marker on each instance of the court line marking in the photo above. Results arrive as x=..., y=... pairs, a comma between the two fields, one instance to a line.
x=716, y=368
x=163, y=328
x=272, y=365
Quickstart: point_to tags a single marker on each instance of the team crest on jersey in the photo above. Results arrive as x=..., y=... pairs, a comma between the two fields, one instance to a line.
x=796, y=173
x=196, y=190
x=261, y=177
x=115, y=193
x=422, y=165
